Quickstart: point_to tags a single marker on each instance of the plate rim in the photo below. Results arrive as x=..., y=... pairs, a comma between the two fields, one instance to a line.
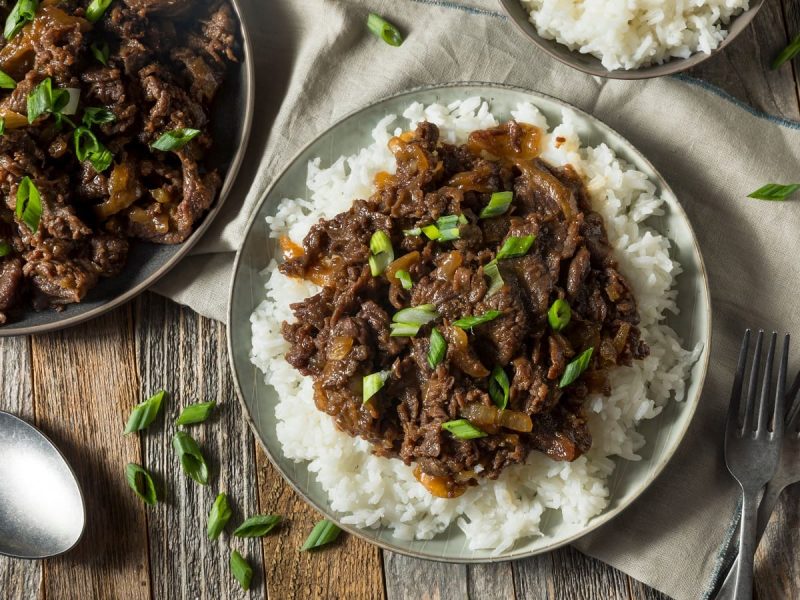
x=597, y=521
x=13, y=329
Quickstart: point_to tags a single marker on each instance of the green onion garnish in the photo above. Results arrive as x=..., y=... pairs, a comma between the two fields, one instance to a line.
x=403, y=329
x=775, y=191
x=144, y=414
x=24, y=11
x=499, y=387
x=431, y=232
x=470, y=322
x=101, y=52
x=417, y=315
x=323, y=533
x=87, y=146
x=257, y=526
x=788, y=53
x=141, y=483
x=57, y=102
x=5, y=248
x=498, y=205
x=373, y=383
x=98, y=116
x=241, y=570
x=96, y=10
x=515, y=247
x=413, y=232
x=559, y=314
x=192, y=460
x=575, y=368
x=438, y=348
x=447, y=221
x=492, y=271
x=7, y=82
x=218, y=517
x=2, y=125
x=384, y=30
x=175, y=139
x=382, y=252
x=195, y=413
x=405, y=279
x=29, y=204
x=463, y=429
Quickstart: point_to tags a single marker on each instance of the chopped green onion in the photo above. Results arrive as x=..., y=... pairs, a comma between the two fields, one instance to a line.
x=775, y=191
x=576, y=367
x=58, y=102
x=498, y=205
x=141, y=483
x=403, y=329
x=101, y=52
x=788, y=53
x=381, y=28
x=448, y=221
x=6, y=81
x=96, y=10
x=2, y=125
x=382, y=252
x=24, y=11
x=87, y=146
x=559, y=314
x=218, y=517
x=175, y=139
x=192, y=460
x=71, y=105
x=515, y=247
x=5, y=248
x=195, y=413
x=98, y=116
x=431, y=232
x=241, y=570
x=463, y=429
x=499, y=387
x=29, y=204
x=438, y=348
x=257, y=526
x=470, y=322
x=448, y=235
x=417, y=315
x=412, y=232
x=492, y=271
x=323, y=533
x=378, y=263
x=145, y=413
x=373, y=383
x=405, y=279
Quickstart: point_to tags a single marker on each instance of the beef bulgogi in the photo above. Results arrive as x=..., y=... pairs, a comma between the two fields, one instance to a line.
x=104, y=114
x=467, y=308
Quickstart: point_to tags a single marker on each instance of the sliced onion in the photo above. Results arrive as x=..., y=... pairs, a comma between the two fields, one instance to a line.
x=450, y=262
x=74, y=98
x=340, y=347
x=487, y=416
x=404, y=263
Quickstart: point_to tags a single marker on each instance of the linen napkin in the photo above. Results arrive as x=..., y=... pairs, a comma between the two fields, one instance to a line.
x=315, y=63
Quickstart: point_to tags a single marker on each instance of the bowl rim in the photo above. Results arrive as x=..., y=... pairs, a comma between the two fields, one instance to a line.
x=563, y=54
x=597, y=521
x=13, y=329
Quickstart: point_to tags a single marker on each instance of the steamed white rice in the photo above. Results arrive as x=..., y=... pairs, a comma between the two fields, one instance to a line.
x=368, y=491
x=626, y=34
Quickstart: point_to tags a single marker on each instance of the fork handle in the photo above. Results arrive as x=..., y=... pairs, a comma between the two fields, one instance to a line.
x=747, y=546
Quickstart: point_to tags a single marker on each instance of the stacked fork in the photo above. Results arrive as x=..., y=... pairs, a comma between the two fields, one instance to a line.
x=758, y=453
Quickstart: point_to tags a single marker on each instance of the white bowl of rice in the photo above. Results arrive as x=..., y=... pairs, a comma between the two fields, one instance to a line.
x=632, y=39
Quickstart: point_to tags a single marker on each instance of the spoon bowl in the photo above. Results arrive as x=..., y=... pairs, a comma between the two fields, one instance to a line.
x=41, y=506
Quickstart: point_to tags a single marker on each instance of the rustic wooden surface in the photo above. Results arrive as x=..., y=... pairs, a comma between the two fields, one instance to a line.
x=78, y=386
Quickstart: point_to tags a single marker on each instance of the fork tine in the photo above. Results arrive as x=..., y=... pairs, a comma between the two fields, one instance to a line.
x=738, y=379
x=749, y=406
x=780, y=390
x=766, y=386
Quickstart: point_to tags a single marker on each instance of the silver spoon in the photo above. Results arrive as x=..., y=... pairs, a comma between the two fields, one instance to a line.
x=41, y=506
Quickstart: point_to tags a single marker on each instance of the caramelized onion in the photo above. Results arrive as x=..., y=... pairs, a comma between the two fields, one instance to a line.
x=325, y=271
x=488, y=416
x=157, y=222
x=499, y=141
x=461, y=355
x=13, y=120
x=384, y=179
x=450, y=262
x=340, y=347
x=124, y=188
x=441, y=487
x=404, y=263
x=622, y=337
x=290, y=249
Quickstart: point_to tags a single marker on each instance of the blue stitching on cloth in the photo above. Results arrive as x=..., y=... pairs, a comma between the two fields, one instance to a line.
x=467, y=9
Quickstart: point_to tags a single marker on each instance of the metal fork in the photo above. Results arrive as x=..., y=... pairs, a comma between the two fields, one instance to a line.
x=752, y=444
x=787, y=474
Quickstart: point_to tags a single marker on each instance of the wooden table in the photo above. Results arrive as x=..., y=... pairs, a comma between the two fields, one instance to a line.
x=79, y=385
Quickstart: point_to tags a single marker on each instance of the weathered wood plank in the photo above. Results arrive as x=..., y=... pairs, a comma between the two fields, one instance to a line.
x=84, y=384
x=186, y=354
x=491, y=581
x=777, y=569
x=19, y=579
x=350, y=568
x=414, y=579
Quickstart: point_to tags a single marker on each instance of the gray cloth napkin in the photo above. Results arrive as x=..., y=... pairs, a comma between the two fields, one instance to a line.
x=315, y=62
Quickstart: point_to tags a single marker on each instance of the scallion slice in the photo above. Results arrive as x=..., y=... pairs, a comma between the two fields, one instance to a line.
x=218, y=517
x=431, y=232
x=492, y=271
x=405, y=279
x=412, y=232
x=515, y=247
x=6, y=81
x=176, y=139
x=101, y=52
x=96, y=10
x=29, y=204
x=98, y=116
x=559, y=314
x=463, y=429
x=373, y=383
x=403, y=329
x=416, y=315
x=5, y=248
x=788, y=53
x=195, y=413
x=145, y=413
x=470, y=322
x=447, y=222
x=323, y=533
x=576, y=367
x=192, y=459
x=24, y=12
x=2, y=125
x=498, y=205
x=241, y=570
x=257, y=526
x=87, y=146
x=141, y=483
x=774, y=191
x=438, y=348
x=380, y=244
x=381, y=28
x=499, y=387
